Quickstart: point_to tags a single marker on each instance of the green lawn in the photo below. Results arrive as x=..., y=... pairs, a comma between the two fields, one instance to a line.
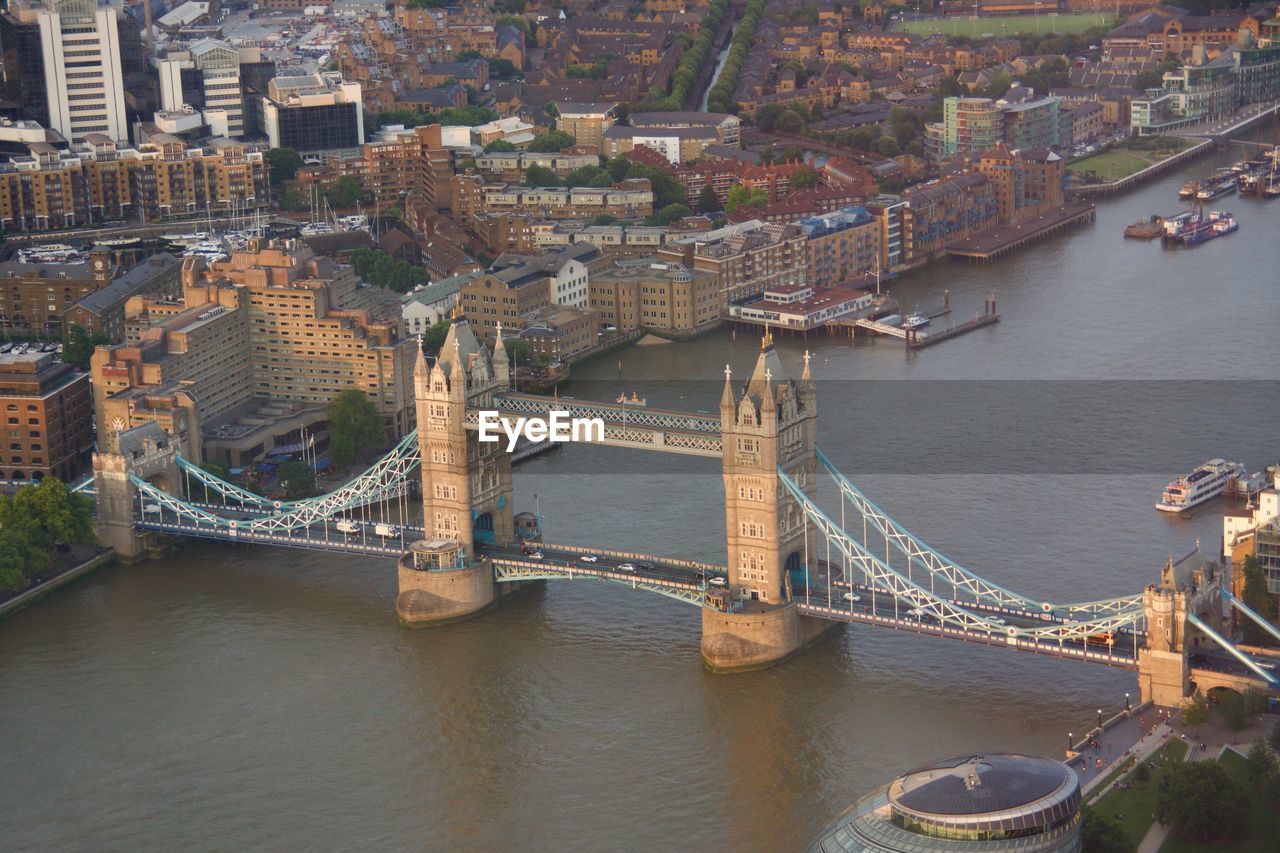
x=1009, y=25
x=1109, y=165
x=1133, y=805
x=1264, y=818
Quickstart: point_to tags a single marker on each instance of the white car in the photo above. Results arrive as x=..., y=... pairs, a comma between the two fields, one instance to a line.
x=996, y=620
x=151, y=509
x=852, y=596
x=589, y=558
x=718, y=581
x=627, y=567
x=917, y=612
x=534, y=555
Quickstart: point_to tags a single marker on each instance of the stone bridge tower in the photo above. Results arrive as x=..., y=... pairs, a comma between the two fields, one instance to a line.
x=772, y=424
x=1189, y=585
x=146, y=451
x=466, y=484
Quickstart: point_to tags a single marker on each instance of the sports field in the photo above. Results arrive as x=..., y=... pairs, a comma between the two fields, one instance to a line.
x=1008, y=25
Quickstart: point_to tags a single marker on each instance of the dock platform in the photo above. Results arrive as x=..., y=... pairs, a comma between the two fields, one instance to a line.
x=999, y=241
x=920, y=341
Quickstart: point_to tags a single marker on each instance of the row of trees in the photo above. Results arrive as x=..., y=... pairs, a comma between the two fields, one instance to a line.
x=720, y=98
x=34, y=523
x=690, y=66
x=409, y=117
x=377, y=267
x=1235, y=710
x=342, y=193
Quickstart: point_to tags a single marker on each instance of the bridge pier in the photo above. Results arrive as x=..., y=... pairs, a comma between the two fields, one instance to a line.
x=145, y=451
x=438, y=597
x=756, y=638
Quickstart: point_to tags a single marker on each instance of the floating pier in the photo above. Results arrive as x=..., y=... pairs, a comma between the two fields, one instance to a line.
x=916, y=340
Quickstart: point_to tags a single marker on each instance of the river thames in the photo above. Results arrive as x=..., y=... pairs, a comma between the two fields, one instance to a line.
x=244, y=697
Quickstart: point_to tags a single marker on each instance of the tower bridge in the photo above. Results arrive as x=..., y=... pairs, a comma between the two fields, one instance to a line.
x=796, y=568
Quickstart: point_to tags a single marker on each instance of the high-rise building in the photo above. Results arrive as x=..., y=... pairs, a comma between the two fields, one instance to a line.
x=84, y=85
x=207, y=78
x=24, y=64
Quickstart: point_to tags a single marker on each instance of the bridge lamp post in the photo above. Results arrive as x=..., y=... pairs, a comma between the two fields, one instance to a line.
x=1099, y=718
x=1070, y=742
x=1126, y=702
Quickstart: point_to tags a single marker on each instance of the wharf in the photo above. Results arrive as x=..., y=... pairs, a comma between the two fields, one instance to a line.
x=916, y=340
x=999, y=241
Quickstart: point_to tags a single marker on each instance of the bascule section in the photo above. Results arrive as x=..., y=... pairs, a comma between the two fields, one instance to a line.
x=768, y=430
x=466, y=484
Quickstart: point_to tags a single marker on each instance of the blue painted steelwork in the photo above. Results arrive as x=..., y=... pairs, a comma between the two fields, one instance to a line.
x=508, y=570
x=950, y=572
x=640, y=416
x=882, y=576
x=1251, y=613
x=1232, y=650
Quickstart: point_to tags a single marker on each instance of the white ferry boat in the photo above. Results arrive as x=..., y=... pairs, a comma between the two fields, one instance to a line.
x=1207, y=481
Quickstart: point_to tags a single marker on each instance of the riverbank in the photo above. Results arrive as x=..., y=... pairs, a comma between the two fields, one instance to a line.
x=71, y=573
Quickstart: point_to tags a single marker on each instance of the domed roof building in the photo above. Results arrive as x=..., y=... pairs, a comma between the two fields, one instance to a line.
x=966, y=803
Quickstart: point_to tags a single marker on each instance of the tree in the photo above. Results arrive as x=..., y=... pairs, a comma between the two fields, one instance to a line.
x=789, y=122
x=1100, y=833
x=1195, y=711
x=498, y=146
x=297, y=479
x=283, y=165
x=1261, y=763
x=78, y=346
x=1200, y=801
x=42, y=515
x=804, y=179
x=672, y=212
x=354, y=426
x=1256, y=597
x=887, y=146
x=708, y=201
x=552, y=141
x=517, y=351
x=503, y=69
x=344, y=192
x=1142, y=773
x=435, y=336
x=604, y=219
x=588, y=176
x=217, y=469
x=740, y=196
x=1231, y=708
x=540, y=176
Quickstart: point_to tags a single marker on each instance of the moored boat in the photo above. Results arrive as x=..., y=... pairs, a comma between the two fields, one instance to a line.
x=1206, y=482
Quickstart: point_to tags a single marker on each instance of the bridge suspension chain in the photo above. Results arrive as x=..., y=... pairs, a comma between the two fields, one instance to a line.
x=945, y=569
x=883, y=576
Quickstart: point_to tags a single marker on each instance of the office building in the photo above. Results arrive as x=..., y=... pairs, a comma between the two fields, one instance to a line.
x=313, y=113
x=253, y=352
x=207, y=79
x=974, y=803
x=649, y=293
x=84, y=84
x=48, y=421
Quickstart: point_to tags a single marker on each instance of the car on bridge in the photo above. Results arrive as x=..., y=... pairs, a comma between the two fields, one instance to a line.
x=852, y=596
x=626, y=567
x=645, y=565
x=589, y=558
x=346, y=525
x=718, y=580
x=151, y=509
x=534, y=555
x=996, y=620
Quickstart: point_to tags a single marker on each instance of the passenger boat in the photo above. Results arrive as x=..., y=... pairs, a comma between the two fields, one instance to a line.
x=1206, y=482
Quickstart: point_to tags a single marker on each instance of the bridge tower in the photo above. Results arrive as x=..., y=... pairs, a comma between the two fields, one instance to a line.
x=771, y=424
x=1188, y=587
x=466, y=484
x=146, y=451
